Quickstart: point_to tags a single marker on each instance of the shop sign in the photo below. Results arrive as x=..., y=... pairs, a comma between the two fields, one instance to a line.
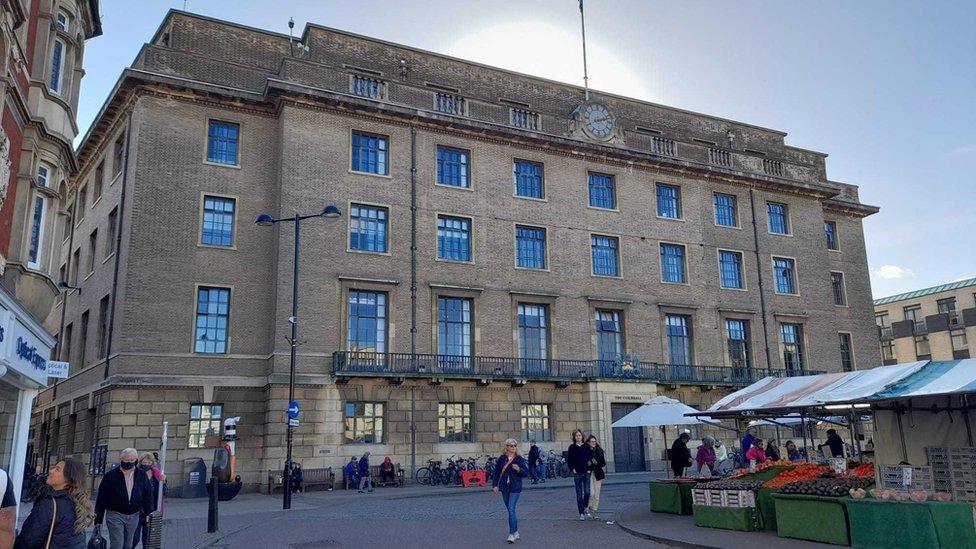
x=22, y=350
x=57, y=369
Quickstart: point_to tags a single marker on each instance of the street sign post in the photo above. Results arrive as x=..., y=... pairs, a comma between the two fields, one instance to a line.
x=293, y=410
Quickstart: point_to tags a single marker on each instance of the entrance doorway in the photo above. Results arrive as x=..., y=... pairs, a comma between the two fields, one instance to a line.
x=628, y=442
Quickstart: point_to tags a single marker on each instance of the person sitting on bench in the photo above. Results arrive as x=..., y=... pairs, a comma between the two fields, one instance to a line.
x=352, y=472
x=387, y=471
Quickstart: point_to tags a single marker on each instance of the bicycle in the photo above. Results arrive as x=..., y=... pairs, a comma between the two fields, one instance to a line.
x=452, y=473
x=430, y=475
x=490, y=464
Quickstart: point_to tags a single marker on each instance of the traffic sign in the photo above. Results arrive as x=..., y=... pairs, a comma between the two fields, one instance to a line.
x=293, y=423
x=293, y=410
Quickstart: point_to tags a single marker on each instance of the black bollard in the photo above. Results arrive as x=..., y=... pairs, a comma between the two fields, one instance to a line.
x=212, y=508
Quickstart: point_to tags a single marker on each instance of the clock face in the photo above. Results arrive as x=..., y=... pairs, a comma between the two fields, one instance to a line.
x=597, y=120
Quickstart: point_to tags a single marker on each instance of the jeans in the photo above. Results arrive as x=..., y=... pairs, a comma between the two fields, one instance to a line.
x=540, y=472
x=582, y=483
x=364, y=481
x=510, y=499
x=121, y=529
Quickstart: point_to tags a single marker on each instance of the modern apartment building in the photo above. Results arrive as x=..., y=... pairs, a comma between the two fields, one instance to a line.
x=42, y=43
x=513, y=258
x=934, y=323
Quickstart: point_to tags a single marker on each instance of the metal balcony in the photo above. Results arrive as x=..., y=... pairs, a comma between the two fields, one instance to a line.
x=346, y=364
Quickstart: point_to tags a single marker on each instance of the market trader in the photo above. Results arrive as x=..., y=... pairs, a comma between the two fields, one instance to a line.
x=835, y=443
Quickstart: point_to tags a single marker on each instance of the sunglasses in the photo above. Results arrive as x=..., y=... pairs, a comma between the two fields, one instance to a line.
x=511, y=445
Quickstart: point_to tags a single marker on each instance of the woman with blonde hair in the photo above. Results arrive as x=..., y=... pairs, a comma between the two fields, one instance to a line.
x=148, y=466
x=61, y=513
x=512, y=468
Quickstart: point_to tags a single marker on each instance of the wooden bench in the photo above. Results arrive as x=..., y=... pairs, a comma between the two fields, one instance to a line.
x=310, y=477
x=374, y=471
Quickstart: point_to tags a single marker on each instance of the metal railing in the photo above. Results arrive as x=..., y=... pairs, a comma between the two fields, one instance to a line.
x=364, y=364
x=885, y=332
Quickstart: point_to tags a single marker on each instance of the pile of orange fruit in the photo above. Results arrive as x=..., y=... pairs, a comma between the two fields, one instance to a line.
x=803, y=472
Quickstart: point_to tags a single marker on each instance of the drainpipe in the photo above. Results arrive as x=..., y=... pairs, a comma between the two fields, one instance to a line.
x=64, y=300
x=759, y=269
x=413, y=296
x=118, y=245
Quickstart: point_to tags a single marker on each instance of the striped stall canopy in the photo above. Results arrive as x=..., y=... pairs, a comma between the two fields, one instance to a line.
x=936, y=378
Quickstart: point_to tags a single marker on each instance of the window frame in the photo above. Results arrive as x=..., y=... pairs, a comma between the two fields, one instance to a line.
x=735, y=210
x=381, y=417
x=347, y=317
x=92, y=253
x=389, y=153
x=59, y=90
x=796, y=278
x=49, y=179
x=388, y=240
x=615, y=204
x=678, y=205
x=209, y=421
x=38, y=254
x=801, y=346
x=113, y=226
x=843, y=289
x=545, y=246
x=542, y=179
x=203, y=204
x=195, y=315
x=746, y=341
x=542, y=434
x=618, y=260
x=437, y=239
x=441, y=341
x=836, y=247
x=466, y=417
x=684, y=263
x=206, y=150
x=547, y=341
x=743, y=287
x=620, y=335
x=62, y=14
x=787, y=221
x=850, y=350
x=466, y=163
x=688, y=325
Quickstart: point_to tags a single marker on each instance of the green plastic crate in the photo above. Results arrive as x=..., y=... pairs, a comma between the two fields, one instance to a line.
x=812, y=518
x=743, y=519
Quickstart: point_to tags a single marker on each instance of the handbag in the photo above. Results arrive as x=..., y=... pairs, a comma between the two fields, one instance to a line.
x=54, y=518
x=97, y=541
x=599, y=474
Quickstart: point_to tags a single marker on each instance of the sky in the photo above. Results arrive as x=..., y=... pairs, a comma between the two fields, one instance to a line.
x=885, y=88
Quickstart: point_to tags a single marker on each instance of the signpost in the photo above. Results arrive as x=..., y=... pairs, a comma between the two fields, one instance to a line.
x=293, y=410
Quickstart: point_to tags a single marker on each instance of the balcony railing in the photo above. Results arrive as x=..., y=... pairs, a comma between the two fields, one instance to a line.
x=362, y=364
x=885, y=332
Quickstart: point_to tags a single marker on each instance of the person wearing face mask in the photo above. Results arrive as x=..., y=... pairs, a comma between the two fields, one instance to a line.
x=124, y=496
x=147, y=466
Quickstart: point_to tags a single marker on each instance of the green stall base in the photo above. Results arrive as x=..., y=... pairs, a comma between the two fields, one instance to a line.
x=894, y=524
x=671, y=497
x=812, y=518
x=767, y=508
x=743, y=519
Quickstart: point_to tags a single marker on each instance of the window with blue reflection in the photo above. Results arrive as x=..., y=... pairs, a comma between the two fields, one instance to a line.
x=369, y=153
x=785, y=275
x=529, y=179
x=725, y=210
x=605, y=260
x=367, y=228
x=668, y=201
x=673, y=263
x=603, y=193
x=452, y=167
x=218, y=221
x=366, y=322
x=779, y=221
x=213, y=313
x=530, y=247
x=453, y=238
x=222, y=141
x=730, y=268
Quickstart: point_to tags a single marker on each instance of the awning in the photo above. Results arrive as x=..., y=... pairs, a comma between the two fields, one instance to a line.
x=936, y=378
x=658, y=411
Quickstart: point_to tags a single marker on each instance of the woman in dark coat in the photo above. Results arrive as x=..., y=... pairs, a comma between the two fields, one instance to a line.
x=598, y=460
x=62, y=502
x=512, y=468
x=680, y=455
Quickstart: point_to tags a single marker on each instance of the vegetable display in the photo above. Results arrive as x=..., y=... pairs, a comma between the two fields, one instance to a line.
x=803, y=472
x=731, y=484
x=828, y=487
x=761, y=467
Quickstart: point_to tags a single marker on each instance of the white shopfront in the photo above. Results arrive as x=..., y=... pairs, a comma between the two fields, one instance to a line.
x=24, y=351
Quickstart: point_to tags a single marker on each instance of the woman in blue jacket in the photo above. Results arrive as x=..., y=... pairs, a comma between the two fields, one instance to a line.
x=512, y=468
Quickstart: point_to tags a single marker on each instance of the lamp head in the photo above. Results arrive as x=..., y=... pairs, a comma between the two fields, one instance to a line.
x=331, y=211
x=265, y=220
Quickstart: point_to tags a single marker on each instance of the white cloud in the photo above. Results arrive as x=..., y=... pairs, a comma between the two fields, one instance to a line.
x=893, y=272
x=963, y=151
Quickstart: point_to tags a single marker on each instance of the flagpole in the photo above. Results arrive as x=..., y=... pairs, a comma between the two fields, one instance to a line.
x=586, y=80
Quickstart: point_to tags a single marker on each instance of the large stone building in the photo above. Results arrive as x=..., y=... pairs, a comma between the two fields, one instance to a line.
x=934, y=323
x=42, y=45
x=512, y=258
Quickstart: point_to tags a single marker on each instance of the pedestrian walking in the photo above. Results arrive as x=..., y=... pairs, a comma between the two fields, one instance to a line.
x=123, y=497
x=680, y=455
x=297, y=478
x=8, y=510
x=577, y=457
x=147, y=466
x=364, y=478
x=512, y=468
x=534, y=460
x=598, y=460
x=61, y=513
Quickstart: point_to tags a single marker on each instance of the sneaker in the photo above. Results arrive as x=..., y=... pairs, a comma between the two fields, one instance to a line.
x=511, y=538
x=582, y=516
x=360, y=491
x=516, y=534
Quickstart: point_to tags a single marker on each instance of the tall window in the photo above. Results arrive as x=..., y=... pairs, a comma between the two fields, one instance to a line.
x=370, y=153
x=452, y=167
x=830, y=233
x=45, y=174
x=726, y=213
x=779, y=219
x=958, y=340
x=113, y=220
x=668, y=201
x=679, y=340
x=453, y=238
x=83, y=339
x=740, y=352
x=454, y=422
x=530, y=247
x=65, y=352
x=205, y=419
x=784, y=269
x=888, y=350
x=363, y=422
x=221, y=143
x=947, y=306
x=533, y=330
x=605, y=259
x=103, y=327
x=912, y=312
x=673, y=263
x=846, y=352
x=837, y=288
x=97, y=180
x=92, y=248
x=454, y=328
x=792, y=347
x=118, y=154
x=36, y=234
x=82, y=201
x=368, y=228
x=529, y=179
x=609, y=334
x=218, y=221
x=603, y=192
x=56, y=83
x=62, y=21
x=213, y=313
x=75, y=263
x=730, y=267
x=366, y=323
x=535, y=423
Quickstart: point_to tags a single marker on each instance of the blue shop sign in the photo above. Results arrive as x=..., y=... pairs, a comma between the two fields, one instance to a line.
x=29, y=353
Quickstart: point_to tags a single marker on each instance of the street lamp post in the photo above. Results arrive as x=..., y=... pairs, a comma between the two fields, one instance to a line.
x=265, y=220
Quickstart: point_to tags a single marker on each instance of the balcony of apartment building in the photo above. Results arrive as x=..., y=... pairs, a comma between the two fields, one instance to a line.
x=942, y=336
x=397, y=367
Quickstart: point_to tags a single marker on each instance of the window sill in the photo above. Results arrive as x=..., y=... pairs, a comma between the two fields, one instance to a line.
x=599, y=209
x=530, y=198
x=457, y=187
x=370, y=174
x=779, y=234
x=97, y=200
x=217, y=247
x=109, y=256
x=533, y=269
x=736, y=227
x=837, y=251
x=786, y=295
x=367, y=252
x=734, y=289
x=457, y=261
x=611, y=277
x=676, y=283
x=666, y=218
x=87, y=276
x=220, y=165
x=115, y=178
